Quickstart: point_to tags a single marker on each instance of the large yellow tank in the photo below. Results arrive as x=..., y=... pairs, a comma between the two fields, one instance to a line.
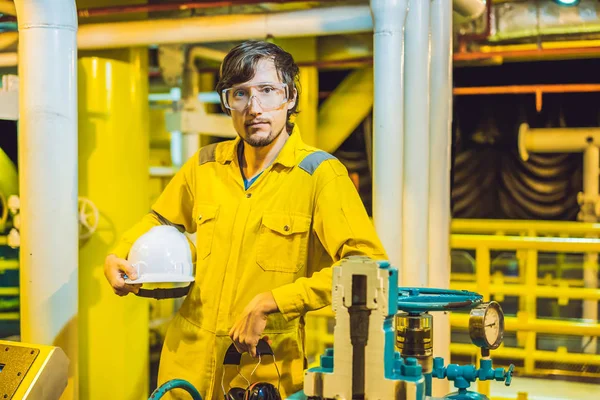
x=113, y=174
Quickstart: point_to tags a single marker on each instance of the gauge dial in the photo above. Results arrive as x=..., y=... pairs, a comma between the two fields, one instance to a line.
x=486, y=325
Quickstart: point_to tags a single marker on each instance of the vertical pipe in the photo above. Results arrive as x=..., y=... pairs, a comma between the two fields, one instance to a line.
x=440, y=126
x=48, y=176
x=113, y=174
x=415, y=213
x=388, y=123
x=591, y=181
x=191, y=140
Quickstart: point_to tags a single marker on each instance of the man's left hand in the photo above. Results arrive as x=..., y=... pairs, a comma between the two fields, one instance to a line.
x=247, y=330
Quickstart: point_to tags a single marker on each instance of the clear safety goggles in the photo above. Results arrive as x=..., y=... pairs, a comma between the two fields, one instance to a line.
x=269, y=95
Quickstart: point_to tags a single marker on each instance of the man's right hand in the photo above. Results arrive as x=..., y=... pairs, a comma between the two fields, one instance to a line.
x=115, y=269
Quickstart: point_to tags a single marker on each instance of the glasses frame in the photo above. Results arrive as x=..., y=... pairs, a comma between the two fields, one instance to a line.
x=275, y=84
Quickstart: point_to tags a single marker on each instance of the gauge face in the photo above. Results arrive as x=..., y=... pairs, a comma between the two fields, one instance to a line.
x=486, y=325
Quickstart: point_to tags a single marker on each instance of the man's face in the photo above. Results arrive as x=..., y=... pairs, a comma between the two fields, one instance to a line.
x=258, y=125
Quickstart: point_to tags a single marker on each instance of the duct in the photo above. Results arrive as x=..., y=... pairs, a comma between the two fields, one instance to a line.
x=389, y=18
x=469, y=9
x=416, y=146
x=526, y=20
x=48, y=176
x=440, y=132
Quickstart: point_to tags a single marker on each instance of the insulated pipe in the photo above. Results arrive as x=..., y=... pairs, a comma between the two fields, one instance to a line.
x=388, y=123
x=219, y=28
x=440, y=132
x=48, y=176
x=415, y=214
x=470, y=9
x=555, y=140
x=331, y=20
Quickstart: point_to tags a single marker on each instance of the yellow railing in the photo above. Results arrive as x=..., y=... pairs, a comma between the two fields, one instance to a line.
x=527, y=239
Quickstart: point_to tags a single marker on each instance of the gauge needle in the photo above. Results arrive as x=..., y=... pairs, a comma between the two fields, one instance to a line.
x=492, y=324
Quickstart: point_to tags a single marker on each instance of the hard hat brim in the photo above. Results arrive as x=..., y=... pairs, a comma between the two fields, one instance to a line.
x=160, y=278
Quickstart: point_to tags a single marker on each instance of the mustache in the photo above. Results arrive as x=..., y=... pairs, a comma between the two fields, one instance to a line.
x=258, y=121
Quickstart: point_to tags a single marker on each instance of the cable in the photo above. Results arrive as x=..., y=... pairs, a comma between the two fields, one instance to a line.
x=175, y=384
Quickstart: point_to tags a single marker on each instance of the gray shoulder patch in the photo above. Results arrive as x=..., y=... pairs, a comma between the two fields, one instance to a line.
x=312, y=161
x=208, y=153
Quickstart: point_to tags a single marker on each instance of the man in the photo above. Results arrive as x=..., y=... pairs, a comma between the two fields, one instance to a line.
x=272, y=215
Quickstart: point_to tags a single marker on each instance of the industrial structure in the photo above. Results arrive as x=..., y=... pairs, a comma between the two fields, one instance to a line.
x=470, y=128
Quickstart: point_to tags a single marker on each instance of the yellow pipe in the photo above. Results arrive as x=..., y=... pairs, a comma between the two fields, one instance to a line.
x=555, y=327
x=515, y=226
x=113, y=174
x=548, y=292
x=513, y=353
x=567, y=245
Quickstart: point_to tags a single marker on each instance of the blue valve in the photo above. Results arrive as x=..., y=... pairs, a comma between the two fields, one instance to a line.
x=464, y=375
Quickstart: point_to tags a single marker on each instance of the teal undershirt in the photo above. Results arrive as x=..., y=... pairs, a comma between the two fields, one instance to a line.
x=247, y=182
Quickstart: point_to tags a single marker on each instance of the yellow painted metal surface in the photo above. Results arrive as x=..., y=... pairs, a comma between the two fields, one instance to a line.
x=345, y=109
x=113, y=173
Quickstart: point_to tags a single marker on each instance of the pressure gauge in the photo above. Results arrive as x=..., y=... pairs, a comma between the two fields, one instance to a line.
x=486, y=325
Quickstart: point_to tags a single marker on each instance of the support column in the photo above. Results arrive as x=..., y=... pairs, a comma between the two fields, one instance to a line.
x=113, y=174
x=440, y=136
x=416, y=147
x=48, y=177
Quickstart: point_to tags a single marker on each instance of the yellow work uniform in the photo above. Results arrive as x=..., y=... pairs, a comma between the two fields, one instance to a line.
x=282, y=235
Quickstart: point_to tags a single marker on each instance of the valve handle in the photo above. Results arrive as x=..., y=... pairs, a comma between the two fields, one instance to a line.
x=418, y=300
x=509, y=375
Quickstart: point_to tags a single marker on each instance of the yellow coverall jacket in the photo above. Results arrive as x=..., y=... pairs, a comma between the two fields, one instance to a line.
x=282, y=235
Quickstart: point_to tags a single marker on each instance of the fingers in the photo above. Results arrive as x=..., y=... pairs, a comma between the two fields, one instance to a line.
x=114, y=270
x=126, y=267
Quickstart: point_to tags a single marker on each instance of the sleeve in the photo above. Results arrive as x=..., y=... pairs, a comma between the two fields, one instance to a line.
x=344, y=229
x=173, y=207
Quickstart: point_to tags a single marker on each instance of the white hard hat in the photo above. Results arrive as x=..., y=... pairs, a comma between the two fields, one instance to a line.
x=162, y=255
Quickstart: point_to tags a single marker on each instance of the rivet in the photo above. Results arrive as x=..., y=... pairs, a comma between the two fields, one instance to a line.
x=286, y=228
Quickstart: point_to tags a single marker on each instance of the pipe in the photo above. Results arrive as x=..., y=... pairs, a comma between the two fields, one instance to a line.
x=487, y=7
x=470, y=9
x=332, y=20
x=555, y=140
x=389, y=18
x=8, y=59
x=48, y=176
x=7, y=7
x=440, y=131
x=415, y=190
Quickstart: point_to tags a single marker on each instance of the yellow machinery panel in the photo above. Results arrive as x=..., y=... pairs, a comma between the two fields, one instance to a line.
x=29, y=371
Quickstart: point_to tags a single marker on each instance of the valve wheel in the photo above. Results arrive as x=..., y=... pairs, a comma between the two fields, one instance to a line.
x=88, y=218
x=419, y=300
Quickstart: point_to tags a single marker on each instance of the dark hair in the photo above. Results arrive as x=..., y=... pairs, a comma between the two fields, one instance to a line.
x=239, y=66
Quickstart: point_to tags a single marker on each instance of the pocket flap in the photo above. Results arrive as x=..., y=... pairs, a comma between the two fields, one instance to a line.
x=206, y=212
x=286, y=224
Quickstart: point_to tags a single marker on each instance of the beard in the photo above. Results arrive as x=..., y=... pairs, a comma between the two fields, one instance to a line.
x=255, y=140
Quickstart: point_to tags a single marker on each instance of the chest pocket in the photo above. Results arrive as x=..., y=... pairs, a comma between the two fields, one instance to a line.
x=206, y=219
x=283, y=242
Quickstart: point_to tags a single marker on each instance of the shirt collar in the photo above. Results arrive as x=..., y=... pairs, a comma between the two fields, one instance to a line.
x=286, y=157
